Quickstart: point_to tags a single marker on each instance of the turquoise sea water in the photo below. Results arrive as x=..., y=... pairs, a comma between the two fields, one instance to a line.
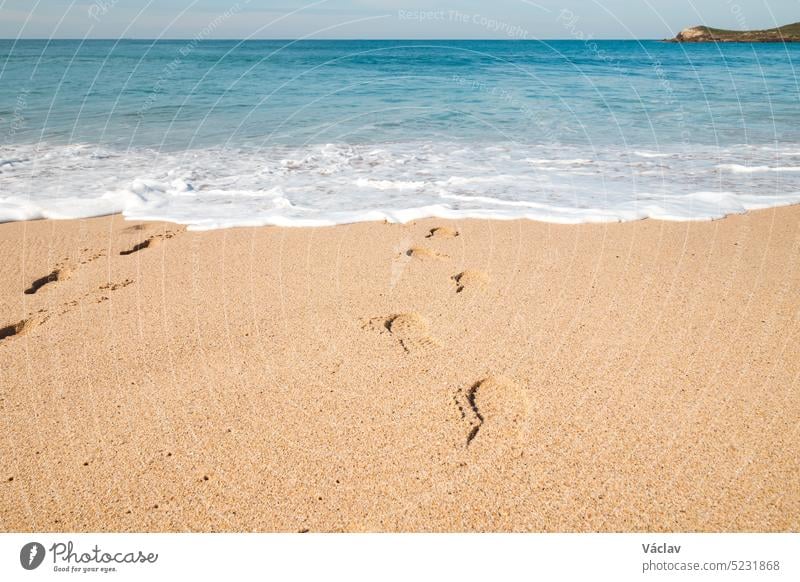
x=222, y=133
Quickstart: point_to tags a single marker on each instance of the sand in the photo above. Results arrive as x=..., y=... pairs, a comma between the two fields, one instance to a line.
x=487, y=376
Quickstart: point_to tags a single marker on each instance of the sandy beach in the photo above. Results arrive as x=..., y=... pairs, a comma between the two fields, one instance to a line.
x=432, y=376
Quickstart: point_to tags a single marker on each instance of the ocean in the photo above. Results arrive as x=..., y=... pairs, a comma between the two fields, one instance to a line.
x=217, y=134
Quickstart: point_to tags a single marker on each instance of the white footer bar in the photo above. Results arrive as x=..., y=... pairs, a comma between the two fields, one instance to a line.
x=375, y=557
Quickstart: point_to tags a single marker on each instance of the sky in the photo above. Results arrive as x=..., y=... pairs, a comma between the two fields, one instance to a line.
x=406, y=19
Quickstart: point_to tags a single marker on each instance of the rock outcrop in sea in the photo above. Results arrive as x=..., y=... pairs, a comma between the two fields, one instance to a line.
x=789, y=33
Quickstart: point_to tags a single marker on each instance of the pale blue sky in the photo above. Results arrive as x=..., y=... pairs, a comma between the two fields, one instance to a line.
x=547, y=19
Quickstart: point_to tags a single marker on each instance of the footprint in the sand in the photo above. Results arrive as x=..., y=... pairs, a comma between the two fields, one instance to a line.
x=90, y=258
x=467, y=407
x=57, y=274
x=425, y=254
x=495, y=401
x=442, y=232
x=111, y=287
x=471, y=279
x=22, y=327
x=114, y=286
x=13, y=329
x=148, y=243
x=411, y=330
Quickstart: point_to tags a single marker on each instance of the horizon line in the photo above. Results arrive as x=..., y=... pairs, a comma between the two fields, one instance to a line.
x=191, y=38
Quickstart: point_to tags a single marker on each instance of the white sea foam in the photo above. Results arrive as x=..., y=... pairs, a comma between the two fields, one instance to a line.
x=650, y=155
x=743, y=169
x=338, y=183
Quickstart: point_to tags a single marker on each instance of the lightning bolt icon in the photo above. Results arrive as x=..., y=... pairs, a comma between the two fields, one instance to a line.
x=32, y=555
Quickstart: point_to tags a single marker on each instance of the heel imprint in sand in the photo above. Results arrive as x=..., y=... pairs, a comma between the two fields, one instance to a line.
x=495, y=401
x=58, y=274
x=22, y=327
x=13, y=329
x=411, y=330
x=442, y=232
x=467, y=407
x=471, y=279
x=147, y=243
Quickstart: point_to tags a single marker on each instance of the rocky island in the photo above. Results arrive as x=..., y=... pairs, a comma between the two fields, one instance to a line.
x=788, y=33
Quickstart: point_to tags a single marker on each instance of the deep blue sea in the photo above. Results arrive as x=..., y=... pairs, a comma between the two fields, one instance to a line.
x=226, y=133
